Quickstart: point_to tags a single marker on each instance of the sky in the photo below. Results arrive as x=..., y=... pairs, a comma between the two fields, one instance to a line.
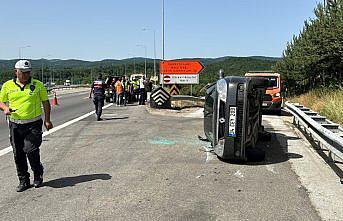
x=112, y=29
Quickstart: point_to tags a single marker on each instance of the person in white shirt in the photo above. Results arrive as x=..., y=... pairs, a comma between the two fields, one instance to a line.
x=141, y=91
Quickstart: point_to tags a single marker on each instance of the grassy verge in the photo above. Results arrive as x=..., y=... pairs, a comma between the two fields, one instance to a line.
x=328, y=103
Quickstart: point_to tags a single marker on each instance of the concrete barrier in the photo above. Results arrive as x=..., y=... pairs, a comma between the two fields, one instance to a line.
x=185, y=101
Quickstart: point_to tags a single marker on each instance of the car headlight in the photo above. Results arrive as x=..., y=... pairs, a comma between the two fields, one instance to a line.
x=222, y=89
x=277, y=95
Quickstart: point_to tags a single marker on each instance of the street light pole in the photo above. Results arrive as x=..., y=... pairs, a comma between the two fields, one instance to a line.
x=145, y=49
x=43, y=68
x=27, y=46
x=42, y=73
x=145, y=29
x=163, y=30
x=134, y=63
x=161, y=67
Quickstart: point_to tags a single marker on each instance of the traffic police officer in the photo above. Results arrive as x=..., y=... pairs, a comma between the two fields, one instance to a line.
x=98, y=90
x=20, y=99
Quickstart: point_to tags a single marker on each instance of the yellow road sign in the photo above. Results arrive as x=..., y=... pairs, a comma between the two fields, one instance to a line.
x=174, y=90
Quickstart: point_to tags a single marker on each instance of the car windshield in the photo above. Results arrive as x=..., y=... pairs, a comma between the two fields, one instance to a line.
x=273, y=81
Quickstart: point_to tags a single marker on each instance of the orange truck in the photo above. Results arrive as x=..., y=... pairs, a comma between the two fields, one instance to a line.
x=272, y=100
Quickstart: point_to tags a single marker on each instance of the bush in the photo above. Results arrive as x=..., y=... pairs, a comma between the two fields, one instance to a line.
x=327, y=102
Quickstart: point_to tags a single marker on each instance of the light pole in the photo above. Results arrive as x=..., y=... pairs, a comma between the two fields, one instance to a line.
x=134, y=62
x=146, y=29
x=27, y=46
x=161, y=67
x=145, y=49
x=43, y=68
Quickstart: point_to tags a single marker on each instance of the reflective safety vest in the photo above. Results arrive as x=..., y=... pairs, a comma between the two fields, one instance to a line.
x=26, y=100
x=126, y=85
x=119, y=87
x=135, y=85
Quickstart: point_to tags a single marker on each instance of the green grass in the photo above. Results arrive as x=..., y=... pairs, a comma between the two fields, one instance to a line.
x=328, y=103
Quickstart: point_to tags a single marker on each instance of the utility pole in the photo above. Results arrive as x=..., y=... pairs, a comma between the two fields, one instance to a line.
x=145, y=29
x=27, y=46
x=161, y=67
x=42, y=72
x=145, y=49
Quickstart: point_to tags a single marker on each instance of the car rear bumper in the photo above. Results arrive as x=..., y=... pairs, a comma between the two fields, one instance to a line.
x=271, y=106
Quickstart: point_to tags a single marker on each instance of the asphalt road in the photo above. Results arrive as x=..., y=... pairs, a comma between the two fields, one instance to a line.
x=138, y=166
x=70, y=106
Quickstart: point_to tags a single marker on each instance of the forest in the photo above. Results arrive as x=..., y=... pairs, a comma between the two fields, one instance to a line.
x=314, y=58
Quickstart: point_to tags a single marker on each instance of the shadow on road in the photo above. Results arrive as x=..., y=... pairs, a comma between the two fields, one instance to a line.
x=269, y=152
x=116, y=118
x=72, y=181
x=283, y=112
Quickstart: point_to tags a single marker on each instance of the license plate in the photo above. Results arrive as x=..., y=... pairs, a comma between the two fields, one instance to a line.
x=232, y=122
x=264, y=104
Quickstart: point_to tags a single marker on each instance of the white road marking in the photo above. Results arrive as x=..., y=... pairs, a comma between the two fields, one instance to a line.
x=66, y=124
x=239, y=174
x=209, y=154
x=197, y=114
x=200, y=176
x=271, y=169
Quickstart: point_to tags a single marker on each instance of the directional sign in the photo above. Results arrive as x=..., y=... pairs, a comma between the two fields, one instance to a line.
x=181, y=67
x=174, y=90
x=180, y=79
x=159, y=98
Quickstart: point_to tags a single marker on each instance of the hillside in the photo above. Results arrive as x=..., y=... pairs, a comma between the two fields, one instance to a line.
x=79, y=71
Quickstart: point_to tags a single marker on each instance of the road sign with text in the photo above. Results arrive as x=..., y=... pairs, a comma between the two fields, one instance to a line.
x=181, y=67
x=179, y=79
x=180, y=72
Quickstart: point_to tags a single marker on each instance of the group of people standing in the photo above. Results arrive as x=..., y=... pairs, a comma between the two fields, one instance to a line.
x=123, y=91
x=126, y=91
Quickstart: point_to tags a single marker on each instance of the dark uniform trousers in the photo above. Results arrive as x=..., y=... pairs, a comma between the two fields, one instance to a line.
x=99, y=103
x=25, y=140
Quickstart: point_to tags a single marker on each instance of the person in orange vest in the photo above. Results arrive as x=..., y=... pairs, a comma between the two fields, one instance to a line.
x=119, y=91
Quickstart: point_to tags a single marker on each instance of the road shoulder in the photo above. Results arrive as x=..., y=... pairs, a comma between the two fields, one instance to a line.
x=321, y=182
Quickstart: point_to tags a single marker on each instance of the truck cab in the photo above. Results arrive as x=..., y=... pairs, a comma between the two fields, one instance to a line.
x=272, y=100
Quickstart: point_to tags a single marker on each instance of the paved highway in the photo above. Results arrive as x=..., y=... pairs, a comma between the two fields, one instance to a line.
x=139, y=166
x=71, y=106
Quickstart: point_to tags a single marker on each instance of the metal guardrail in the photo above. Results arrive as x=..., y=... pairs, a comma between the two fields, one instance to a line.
x=326, y=133
x=63, y=87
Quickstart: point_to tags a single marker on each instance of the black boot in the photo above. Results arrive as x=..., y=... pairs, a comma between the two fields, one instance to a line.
x=38, y=179
x=24, y=184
